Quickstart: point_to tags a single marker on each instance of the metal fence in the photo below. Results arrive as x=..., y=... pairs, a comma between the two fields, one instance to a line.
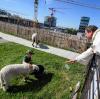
x=91, y=88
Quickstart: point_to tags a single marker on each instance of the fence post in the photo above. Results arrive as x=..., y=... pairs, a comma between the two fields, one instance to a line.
x=74, y=95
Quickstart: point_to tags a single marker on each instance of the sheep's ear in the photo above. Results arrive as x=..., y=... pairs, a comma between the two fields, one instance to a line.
x=35, y=67
x=41, y=68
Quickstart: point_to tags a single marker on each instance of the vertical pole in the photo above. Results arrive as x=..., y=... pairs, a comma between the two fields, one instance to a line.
x=35, y=10
x=35, y=17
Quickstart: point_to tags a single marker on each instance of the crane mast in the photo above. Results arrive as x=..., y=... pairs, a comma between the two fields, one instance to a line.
x=35, y=10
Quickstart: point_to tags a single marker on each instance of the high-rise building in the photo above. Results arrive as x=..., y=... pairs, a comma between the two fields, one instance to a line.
x=50, y=21
x=83, y=24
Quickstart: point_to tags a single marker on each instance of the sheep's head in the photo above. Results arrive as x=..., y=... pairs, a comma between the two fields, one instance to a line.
x=38, y=71
x=35, y=68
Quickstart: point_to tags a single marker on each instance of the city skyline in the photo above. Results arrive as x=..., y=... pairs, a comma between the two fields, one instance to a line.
x=68, y=15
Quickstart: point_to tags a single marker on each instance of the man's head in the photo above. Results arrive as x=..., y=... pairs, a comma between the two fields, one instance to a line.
x=90, y=31
x=30, y=52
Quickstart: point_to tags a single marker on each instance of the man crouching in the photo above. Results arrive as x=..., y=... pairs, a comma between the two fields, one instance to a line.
x=10, y=71
x=27, y=60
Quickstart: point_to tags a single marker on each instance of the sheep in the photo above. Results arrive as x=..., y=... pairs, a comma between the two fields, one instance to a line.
x=34, y=40
x=10, y=71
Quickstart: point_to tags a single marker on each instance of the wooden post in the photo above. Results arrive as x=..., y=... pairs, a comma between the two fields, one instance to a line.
x=74, y=96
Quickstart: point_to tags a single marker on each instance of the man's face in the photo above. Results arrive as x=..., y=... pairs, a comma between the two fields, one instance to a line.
x=89, y=34
x=30, y=55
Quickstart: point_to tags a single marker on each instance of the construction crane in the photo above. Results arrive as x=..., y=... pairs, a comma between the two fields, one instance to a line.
x=52, y=18
x=36, y=13
x=35, y=10
x=36, y=2
x=53, y=10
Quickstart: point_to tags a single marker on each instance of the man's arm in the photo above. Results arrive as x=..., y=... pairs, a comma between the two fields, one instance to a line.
x=84, y=57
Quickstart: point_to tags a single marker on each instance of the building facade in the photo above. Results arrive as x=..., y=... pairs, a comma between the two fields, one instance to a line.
x=83, y=23
x=50, y=21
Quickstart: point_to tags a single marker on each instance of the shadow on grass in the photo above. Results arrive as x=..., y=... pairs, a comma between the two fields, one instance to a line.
x=33, y=85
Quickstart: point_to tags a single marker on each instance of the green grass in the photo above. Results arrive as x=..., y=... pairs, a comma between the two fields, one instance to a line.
x=55, y=83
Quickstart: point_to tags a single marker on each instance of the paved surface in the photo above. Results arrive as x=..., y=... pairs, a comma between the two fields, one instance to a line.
x=45, y=48
x=2, y=40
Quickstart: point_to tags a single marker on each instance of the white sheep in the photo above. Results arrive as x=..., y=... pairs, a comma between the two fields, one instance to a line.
x=10, y=71
x=34, y=40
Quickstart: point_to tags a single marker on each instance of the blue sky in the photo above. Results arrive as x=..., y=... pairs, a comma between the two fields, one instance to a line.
x=70, y=16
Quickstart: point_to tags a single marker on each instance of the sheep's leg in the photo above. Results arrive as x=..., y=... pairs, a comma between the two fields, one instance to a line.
x=33, y=41
x=6, y=83
x=1, y=84
x=1, y=81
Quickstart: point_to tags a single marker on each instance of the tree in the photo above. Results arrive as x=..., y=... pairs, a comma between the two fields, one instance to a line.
x=71, y=31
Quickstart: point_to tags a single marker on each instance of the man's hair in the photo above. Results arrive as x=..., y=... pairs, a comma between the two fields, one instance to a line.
x=92, y=28
x=29, y=52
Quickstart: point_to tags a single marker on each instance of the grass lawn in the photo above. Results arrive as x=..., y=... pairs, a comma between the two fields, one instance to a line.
x=56, y=82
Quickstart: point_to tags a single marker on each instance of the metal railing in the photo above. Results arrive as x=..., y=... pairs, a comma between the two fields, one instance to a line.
x=91, y=88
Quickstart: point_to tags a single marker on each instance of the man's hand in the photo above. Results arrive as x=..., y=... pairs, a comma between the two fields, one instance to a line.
x=71, y=61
